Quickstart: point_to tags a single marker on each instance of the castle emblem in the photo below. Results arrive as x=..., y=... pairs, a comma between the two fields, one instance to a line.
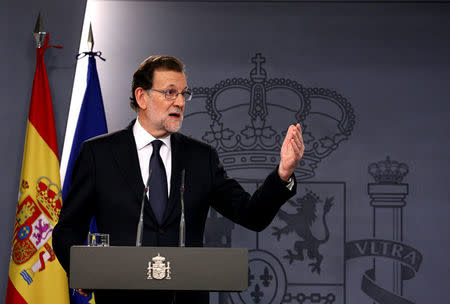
x=36, y=215
x=158, y=269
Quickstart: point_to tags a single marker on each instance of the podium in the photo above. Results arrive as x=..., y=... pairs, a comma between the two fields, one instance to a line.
x=158, y=268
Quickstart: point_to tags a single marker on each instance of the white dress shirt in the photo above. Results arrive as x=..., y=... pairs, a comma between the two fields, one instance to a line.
x=145, y=149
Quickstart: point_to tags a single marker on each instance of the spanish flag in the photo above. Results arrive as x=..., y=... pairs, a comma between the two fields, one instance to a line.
x=35, y=275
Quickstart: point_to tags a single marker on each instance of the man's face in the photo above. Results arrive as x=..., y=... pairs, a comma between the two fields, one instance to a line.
x=159, y=116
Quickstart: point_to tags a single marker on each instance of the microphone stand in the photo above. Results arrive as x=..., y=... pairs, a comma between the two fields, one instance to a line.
x=182, y=223
x=140, y=227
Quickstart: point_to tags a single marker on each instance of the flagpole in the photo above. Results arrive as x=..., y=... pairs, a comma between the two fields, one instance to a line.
x=39, y=34
x=90, y=39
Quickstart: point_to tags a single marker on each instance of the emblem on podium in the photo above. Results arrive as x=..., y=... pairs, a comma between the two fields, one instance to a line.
x=158, y=268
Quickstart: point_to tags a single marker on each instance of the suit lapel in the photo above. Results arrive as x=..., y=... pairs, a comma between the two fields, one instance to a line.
x=126, y=158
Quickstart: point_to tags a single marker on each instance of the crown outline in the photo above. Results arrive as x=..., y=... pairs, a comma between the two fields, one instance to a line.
x=388, y=171
x=256, y=143
x=48, y=194
x=158, y=259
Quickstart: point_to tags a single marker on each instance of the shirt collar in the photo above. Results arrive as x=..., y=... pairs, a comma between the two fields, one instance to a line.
x=143, y=138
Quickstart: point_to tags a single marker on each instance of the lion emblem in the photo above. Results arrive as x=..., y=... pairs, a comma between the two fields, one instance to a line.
x=301, y=223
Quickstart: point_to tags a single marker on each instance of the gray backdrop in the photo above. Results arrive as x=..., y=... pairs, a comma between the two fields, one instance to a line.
x=369, y=83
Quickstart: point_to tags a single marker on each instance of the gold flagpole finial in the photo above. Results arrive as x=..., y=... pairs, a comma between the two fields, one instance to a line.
x=39, y=34
x=90, y=38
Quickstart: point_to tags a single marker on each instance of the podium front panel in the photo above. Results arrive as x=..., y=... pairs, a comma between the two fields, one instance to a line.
x=159, y=268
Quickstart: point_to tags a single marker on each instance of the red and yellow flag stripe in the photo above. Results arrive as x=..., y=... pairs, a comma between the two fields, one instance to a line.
x=35, y=275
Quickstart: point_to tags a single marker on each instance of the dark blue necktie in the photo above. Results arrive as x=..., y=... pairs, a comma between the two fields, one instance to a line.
x=158, y=182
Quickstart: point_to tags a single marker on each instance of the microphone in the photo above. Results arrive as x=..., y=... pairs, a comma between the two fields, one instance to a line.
x=182, y=223
x=141, y=216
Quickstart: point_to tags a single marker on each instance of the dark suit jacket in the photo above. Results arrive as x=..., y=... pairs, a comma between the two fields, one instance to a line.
x=107, y=184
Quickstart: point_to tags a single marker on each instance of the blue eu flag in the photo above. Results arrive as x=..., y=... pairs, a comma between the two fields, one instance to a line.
x=91, y=122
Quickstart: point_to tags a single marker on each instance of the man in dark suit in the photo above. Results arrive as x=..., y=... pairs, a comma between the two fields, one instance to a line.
x=111, y=171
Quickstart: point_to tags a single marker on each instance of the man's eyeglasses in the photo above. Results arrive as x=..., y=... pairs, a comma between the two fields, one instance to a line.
x=172, y=94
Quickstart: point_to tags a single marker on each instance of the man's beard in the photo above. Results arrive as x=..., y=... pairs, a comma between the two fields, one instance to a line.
x=173, y=127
